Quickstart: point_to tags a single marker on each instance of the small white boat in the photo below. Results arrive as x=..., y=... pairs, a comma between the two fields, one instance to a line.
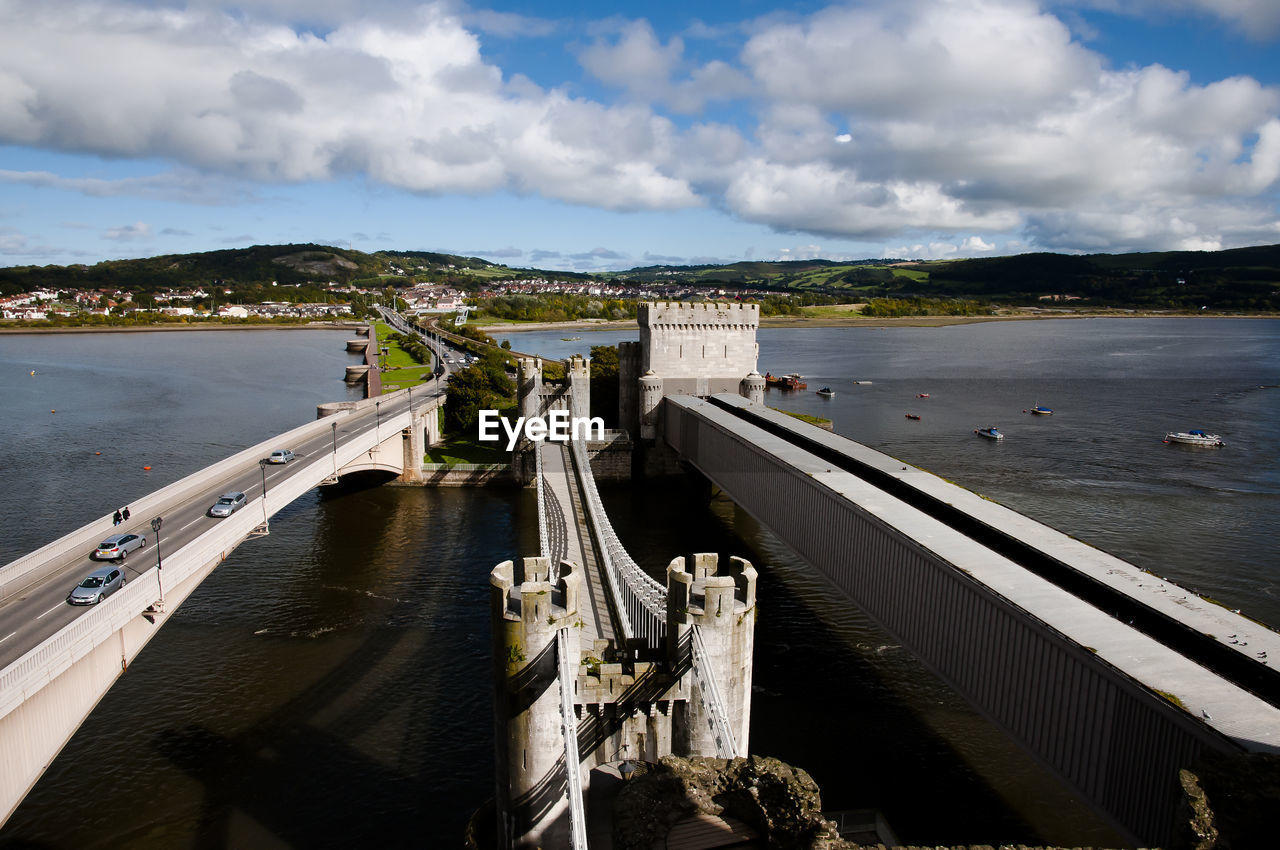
x=1194, y=437
x=1041, y=410
x=991, y=433
x=862, y=383
x=826, y=392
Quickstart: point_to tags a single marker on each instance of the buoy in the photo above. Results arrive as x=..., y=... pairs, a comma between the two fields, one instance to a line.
x=33, y=371
x=147, y=468
x=53, y=411
x=97, y=453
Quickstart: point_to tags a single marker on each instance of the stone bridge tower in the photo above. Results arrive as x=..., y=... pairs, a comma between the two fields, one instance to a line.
x=687, y=349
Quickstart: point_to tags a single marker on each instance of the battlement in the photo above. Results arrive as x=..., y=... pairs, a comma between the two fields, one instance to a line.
x=705, y=594
x=602, y=684
x=703, y=314
x=524, y=592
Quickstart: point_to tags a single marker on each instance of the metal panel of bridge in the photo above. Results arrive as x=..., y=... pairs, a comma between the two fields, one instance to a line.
x=1105, y=734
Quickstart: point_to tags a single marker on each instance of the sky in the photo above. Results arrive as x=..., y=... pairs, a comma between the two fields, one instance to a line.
x=567, y=135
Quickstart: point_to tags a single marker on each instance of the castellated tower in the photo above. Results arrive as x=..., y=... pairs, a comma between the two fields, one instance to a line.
x=528, y=607
x=723, y=605
x=697, y=349
x=529, y=390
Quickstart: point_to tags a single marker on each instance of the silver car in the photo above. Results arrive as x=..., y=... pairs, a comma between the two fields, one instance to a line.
x=117, y=547
x=228, y=503
x=97, y=586
x=280, y=456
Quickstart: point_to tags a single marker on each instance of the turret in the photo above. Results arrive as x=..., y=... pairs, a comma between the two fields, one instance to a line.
x=723, y=606
x=753, y=388
x=528, y=608
x=529, y=391
x=577, y=372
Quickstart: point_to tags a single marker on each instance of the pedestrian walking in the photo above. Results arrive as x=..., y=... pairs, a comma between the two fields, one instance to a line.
x=125, y=513
x=115, y=520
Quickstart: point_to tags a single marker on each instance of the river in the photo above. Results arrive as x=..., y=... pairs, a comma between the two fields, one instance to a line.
x=329, y=684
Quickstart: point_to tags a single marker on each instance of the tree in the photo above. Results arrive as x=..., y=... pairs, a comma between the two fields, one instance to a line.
x=604, y=383
x=484, y=385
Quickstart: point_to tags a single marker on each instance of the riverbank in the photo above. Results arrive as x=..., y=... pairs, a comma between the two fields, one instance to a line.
x=256, y=326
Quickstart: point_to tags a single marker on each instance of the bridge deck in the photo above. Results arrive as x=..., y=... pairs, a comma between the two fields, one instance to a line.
x=558, y=477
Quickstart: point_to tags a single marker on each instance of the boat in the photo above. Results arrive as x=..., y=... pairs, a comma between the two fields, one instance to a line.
x=991, y=433
x=1040, y=410
x=570, y=338
x=793, y=382
x=922, y=395
x=915, y=416
x=862, y=383
x=1194, y=437
x=772, y=380
x=826, y=392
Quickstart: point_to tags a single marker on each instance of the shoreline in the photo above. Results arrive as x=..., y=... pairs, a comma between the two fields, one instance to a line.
x=89, y=329
x=876, y=321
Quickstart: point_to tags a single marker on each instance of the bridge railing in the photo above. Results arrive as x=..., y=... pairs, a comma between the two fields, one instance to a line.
x=567, y=675
x=712, y=702
x=640, y=600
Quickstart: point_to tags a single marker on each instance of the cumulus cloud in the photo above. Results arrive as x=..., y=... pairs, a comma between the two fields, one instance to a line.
x=407, y=101
x=951, y=125
x=129, y=232
x=184, y=186
x=1257, y=19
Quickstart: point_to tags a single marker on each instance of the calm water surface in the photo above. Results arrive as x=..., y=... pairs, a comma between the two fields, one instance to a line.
x=328, y=685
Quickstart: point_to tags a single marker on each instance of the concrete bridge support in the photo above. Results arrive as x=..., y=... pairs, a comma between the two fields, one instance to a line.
x=528, y=607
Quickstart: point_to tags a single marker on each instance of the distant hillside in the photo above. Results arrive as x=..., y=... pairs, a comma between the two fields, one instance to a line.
x=1237, y=279
x=253, y=268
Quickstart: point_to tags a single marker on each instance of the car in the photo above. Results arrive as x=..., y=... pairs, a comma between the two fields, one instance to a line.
x=280, y=456
x=117, y=547
x=97, y=586
x=228, y=503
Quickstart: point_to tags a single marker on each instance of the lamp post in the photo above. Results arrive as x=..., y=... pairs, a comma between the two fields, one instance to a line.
x=262, y=467
x=334, y=426
x=377, y=426
x=155, y=526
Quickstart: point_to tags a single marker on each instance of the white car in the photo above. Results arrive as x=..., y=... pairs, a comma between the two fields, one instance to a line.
x=228, y=503
x=280, y=456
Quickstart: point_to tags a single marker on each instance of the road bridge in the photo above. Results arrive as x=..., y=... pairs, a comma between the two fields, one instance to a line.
x=57, y=660
x=1109, y=675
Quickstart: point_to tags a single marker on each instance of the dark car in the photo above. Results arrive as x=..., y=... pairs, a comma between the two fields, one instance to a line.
x=117, y=547
x=228, y=503
x=97, y=586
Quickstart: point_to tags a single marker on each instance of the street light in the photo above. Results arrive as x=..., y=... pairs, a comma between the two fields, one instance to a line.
x=334, y=426
x=262, y=467
x=377, y=427
x=155, y=526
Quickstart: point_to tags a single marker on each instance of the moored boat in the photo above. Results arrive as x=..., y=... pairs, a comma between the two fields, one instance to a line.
x=1041, y=410
x=915, y=416
x=1194, y=437
x=992, y=433
x=793, y=382
x=922, y=395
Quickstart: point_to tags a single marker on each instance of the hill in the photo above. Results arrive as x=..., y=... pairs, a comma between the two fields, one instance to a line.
x=1236, y=279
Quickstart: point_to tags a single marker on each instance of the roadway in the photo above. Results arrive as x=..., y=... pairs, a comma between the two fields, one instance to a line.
x=40, y=610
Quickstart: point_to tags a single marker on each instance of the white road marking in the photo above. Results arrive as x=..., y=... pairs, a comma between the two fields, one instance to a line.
x=54, y=608
x=6, y=637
